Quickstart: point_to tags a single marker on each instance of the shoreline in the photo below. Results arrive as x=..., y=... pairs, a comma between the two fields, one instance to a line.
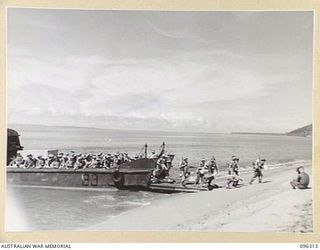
x=250, y=208
x=272, y=206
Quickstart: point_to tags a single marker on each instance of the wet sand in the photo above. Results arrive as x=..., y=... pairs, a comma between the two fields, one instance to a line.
x=271, y=206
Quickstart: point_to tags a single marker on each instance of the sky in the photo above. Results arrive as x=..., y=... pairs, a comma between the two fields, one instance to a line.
x=202, y=71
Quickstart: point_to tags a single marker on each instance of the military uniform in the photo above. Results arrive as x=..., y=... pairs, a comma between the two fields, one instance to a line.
x=212, y=167
x=302, y=180
x=184, y=167
x=257, y=167
x=233, y=181
x=201, y=172
x=233, y=166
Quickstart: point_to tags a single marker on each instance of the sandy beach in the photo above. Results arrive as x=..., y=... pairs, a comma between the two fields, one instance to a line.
x=272, y=206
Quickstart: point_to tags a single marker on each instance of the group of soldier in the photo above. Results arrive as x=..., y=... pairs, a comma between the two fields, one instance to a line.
x=207, y=170
x=72, y=160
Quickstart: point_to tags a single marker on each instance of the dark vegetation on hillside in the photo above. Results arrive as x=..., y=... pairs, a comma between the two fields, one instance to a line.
x=304, y=131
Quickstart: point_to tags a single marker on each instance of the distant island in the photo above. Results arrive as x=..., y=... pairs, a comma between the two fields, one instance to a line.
x=304, y=132
x=256, y=133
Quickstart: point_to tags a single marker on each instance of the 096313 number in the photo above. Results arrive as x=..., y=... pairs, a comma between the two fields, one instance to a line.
x=89, y=179
x=309, y=246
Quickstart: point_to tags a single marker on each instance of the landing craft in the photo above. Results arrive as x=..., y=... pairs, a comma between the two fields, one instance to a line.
x=133, y=174
x=136, y=174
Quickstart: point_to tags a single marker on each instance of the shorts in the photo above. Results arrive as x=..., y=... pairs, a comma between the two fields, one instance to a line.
x=257, y=174
x=298, y=185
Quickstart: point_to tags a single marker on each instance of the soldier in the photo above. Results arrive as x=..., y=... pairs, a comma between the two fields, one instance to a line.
x=161, y=168
x=121, y=158
x=60, y=160
x=50, y=160
x=201, y=170
x=99, y=163
x=257, y=168
x=30, y=162
x=234, y=166
x=107, y=161
x=162, y=162
x=87, y=160
x=211, y=169
x=55, y=162
x=302, y=180
x=80, y=162
x=94, y=163
x=126, y=158
x=233, y=181
x=116, y=160
x=184, y=167
x=64, y=160
x=18, y=161
x=71, y=161
x=212, y=166
x=41, y=162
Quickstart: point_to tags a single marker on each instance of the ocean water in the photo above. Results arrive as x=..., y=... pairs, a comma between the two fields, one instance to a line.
x=52, y=209
x=60, y=209
x=195, y=146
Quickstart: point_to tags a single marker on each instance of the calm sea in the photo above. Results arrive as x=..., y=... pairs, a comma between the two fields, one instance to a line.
x=48, y=209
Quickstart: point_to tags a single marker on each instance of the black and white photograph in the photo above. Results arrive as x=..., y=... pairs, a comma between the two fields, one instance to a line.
x=157, y=120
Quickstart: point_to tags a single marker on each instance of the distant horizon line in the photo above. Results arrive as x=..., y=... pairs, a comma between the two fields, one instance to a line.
x=117, y=129
x=166, y=131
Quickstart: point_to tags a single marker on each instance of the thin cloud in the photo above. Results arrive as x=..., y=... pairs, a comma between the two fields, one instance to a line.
x=149, y=75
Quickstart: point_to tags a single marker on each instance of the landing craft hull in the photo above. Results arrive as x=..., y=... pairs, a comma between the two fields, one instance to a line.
x=128, y=175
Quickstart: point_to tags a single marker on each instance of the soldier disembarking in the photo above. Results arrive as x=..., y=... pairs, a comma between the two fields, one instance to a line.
x=212, y=170
x=258, y=166
x=184, y=167
x=234, y=165
x=212, y=166
x=201, y=170
x=233, y=181
x=160, y=171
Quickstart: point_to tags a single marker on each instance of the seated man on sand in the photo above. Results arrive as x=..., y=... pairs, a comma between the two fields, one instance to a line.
x=302, y=180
